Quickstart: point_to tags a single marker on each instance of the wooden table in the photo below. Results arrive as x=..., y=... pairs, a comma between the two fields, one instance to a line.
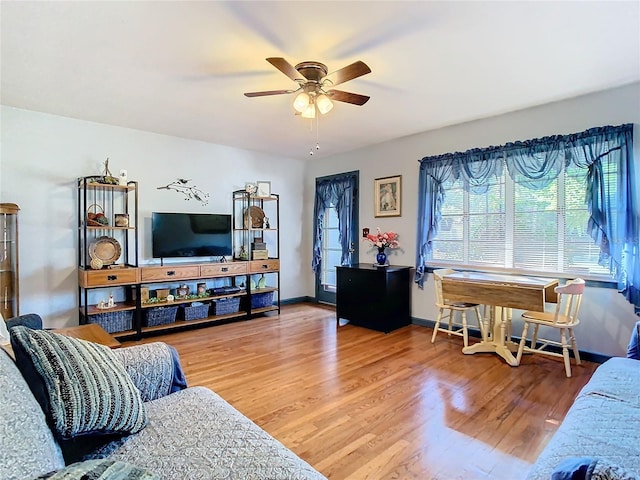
x=498, y=291
x=91, y=332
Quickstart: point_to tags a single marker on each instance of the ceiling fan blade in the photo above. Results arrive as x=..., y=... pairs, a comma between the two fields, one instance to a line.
x=348, y=97
x=355, y=70
x=285, y=67
x=268, y=92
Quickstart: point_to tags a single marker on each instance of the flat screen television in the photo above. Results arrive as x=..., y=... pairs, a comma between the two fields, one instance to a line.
x=190, y=234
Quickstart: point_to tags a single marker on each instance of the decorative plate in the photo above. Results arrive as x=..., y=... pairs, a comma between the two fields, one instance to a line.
x=106, y=249
x=253, y=217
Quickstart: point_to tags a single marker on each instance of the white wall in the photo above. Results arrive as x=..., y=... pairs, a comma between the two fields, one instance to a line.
x=43, y=155
x=607, y=317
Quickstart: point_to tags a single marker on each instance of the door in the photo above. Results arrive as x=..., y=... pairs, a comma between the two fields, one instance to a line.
x=336, y=230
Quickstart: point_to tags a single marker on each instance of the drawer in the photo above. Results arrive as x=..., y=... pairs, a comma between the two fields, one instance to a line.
x=223, y=269
x=100, y=278
x=159, y=274
x=256, y=266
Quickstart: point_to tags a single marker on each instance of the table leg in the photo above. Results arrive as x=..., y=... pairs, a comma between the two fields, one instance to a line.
x=487, y=320
x=497, y=343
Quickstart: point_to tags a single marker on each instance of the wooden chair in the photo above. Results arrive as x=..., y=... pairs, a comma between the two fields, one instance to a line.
x=564, y=318
x=448, y=309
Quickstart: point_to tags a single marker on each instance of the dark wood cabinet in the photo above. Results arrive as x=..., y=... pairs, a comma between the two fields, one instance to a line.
x=374, y=297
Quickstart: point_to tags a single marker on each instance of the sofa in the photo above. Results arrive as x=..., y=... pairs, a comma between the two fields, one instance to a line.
x=150, y=426
x=600, y=436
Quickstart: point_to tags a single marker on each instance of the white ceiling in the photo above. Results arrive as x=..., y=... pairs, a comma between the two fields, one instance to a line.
x=180, y=68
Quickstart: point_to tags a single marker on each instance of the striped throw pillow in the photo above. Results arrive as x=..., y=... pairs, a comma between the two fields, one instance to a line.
x=81, y=386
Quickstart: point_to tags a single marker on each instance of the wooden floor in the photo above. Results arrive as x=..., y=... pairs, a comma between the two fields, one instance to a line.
x=358, y=404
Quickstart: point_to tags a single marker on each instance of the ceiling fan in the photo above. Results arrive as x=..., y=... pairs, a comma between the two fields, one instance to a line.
x=316, y=86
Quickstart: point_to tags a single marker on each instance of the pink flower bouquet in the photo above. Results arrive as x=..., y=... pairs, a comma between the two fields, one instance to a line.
x=383, y=240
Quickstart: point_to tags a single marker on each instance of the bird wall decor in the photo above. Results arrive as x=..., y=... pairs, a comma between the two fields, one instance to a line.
x=189, y=191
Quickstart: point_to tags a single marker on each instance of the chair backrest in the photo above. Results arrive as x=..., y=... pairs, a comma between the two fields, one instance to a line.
x=569, y=299
x=437, y=277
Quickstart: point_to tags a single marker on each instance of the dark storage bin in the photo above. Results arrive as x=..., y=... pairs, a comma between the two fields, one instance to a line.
x=159, y=316
x=261, y=300
x=113, y=321
x=195, y=312
x=225, y=306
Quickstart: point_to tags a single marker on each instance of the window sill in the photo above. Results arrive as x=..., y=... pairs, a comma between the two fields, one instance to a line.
x=590, y=280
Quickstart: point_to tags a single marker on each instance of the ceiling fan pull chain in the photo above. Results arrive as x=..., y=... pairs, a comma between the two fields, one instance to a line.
x=318, y=132
x=311, y=131
x=317, y=118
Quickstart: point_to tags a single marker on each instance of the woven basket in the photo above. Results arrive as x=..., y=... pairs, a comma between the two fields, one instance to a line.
x=113, y=321
x=195, y=312
x=261, y=300
x=159, y=316
x=92, y=213
x=225, y=306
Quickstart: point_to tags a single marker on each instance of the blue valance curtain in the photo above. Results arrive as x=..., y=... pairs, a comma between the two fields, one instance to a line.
x=613, y=220
x=339, y=191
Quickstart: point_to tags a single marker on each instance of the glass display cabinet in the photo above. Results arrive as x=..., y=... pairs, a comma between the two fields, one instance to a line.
x=9, y=285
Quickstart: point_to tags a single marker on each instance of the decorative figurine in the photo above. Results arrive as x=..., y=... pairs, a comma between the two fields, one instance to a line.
x=111, y=303
x=266, y=222
x=251, y=188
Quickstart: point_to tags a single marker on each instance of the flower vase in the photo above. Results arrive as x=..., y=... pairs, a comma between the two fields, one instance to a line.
x=381, y=257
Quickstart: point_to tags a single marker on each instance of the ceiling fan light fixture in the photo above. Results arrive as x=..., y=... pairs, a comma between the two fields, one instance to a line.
x=301, y=102
x=310, y=111
x=324, y=104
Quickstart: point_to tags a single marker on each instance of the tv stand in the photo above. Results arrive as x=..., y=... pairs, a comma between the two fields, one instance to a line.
x=234, y=274
x=169, y=277
x=223, y=288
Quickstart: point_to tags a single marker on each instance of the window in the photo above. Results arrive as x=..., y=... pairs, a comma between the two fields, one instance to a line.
x=557, y=204
x=508, y=225
x=331, y=249
x=335, y=227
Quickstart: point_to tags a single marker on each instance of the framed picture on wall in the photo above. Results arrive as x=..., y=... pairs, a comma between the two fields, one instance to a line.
x=387, y=196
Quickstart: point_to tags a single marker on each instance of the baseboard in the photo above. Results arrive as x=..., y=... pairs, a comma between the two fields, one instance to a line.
x=474, y=332
x=293, y=300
